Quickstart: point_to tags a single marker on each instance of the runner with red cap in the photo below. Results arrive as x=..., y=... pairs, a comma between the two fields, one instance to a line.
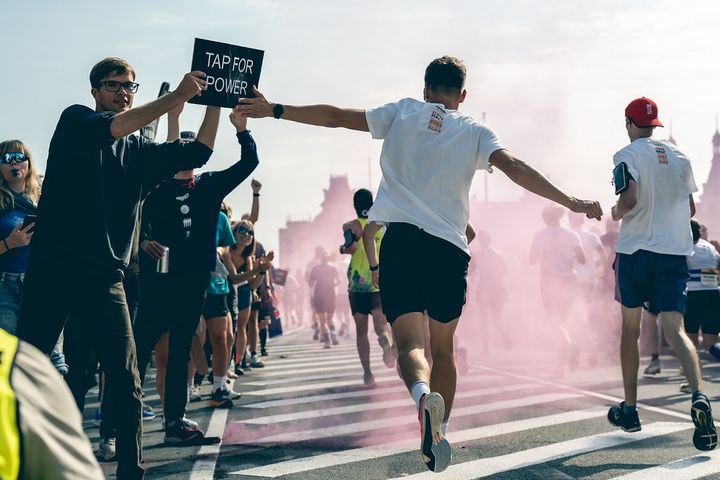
x=655, y=183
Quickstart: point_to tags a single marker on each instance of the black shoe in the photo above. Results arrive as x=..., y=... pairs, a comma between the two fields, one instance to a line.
x=629, y=422
x=221, y=399
x=705, y=436
x=181, y=432
x=211, y=378
x=263, y=352
x=239, y=371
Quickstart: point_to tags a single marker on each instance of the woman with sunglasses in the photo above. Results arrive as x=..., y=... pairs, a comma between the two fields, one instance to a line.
x=248, y=279
x=19, y=193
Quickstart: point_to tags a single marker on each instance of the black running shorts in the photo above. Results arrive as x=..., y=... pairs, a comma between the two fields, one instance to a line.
x=364, y=302
x=215, y=306
x=702, y=311
x=420, y=272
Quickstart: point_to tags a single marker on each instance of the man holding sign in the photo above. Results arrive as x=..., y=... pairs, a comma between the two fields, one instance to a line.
x=430, y=154
x=97, y=173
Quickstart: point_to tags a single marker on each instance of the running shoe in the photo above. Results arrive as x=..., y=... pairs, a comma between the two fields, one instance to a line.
x=389, y=352
x=147, y=413
x=239, y=371
x=233, y=394
x=334, y=339
x=190, y=423
x=263, y=352
x=220, y=399
x=180, y=431
x=705, y=437
x=106, y=451
x=194, y=394
x=369, y=380
x=685, y=388
x=629, y=422
x=653, y=367
x=326, y=340
x=435, y=450
x=231, y=375
x=255, y=362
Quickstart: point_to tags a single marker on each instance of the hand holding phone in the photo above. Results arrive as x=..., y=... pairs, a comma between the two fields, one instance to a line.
x=30, y=220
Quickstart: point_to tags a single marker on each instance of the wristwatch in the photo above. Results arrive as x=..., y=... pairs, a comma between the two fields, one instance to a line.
x=375, y=268
x=278, y=110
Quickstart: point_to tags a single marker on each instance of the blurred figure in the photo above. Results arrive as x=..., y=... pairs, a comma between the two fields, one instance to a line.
x=323, y=280
x=557, y=250
x=489, y=271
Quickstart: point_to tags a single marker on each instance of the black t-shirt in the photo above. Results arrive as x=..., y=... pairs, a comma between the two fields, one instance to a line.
x=183, y=214
x=93, y=187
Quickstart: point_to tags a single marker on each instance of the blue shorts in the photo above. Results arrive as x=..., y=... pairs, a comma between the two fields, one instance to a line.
x=651, y=279
x=244, y=297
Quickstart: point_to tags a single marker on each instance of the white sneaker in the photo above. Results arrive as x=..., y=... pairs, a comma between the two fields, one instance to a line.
x=256, y=362
x=106, y=451
x=194, y=394
x=233, y=394
x=653, y=368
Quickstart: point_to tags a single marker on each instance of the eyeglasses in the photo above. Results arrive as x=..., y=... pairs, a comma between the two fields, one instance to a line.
x=245, y=231
x=114, y=86
x=9, y=157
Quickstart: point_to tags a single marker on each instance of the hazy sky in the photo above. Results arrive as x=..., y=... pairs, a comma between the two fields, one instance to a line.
x=553, y=77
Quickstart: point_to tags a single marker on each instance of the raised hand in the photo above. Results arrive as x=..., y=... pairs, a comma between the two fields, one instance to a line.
x=256, y=186
x=238, y=121
x=257, y=107
x=192, y=84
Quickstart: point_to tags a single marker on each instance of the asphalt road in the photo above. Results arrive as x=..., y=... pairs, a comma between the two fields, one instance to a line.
x=308, y=416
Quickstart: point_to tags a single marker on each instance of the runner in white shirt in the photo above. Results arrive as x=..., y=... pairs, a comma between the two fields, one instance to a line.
x=430, y=155
x=655, y=183
x=557, y=249
x=703, y=291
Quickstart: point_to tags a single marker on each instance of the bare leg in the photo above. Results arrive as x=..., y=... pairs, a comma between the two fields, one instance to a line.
x=363, y=345
x=630, y=352
x=678, y=340
x=217, y=330
x=241, y=339
x=443, y=378
x=409, y=333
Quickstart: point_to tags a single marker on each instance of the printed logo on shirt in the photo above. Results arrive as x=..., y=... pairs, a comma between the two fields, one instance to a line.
x=183, y=198
x=437, y=116
x=187, y=222
x=662, y=156
x=184, y=209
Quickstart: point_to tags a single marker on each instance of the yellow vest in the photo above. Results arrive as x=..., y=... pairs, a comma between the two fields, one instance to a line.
x=9, y=431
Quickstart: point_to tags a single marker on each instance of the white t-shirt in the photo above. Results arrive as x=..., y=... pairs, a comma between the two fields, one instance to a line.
x=660, y=222
x=703, y=265
x=587, y=272
x=428, y=160
x=555, y=246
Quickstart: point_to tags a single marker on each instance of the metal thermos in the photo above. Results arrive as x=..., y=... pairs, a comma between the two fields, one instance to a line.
x=163, y=262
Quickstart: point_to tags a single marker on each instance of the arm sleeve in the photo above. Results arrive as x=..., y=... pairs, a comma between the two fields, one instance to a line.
x=227, y=180
x=487, y=144
x=163, y=160
x=81, y=123
x=380, y=119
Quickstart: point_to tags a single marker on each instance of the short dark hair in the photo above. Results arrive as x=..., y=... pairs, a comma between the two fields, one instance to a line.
x=108, y=66
x=446, y=74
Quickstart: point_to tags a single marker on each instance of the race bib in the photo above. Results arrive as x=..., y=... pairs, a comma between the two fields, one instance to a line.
x=709, y=277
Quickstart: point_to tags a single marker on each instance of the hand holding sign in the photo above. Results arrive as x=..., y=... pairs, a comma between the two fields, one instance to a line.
x=257, y=107
x=238, y=121
x=192, y=84
x=231, y=70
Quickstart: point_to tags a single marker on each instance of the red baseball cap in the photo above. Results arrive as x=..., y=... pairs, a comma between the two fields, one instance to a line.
x=643, y=112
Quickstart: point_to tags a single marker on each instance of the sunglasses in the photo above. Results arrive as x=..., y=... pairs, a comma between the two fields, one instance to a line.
x=245, y=231
x=114, y=86
x=10, y=157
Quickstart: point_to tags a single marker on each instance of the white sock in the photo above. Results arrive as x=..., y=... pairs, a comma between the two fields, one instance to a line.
x=219, y=382
x=444, y=427
x=191, y=383
x=417, y=390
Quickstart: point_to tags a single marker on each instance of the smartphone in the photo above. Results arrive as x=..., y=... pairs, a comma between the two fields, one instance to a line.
x=621, y=178
x=29, y=219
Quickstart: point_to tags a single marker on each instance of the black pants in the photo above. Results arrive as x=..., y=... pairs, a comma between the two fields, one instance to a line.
x=170, y=303
x=91, y=305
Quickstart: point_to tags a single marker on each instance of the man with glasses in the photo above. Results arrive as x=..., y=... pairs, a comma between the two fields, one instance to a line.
x=655, y=184
x=97, y=172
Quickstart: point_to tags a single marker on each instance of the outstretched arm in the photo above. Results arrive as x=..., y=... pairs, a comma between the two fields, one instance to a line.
x=134, y=119
x=255, y=208
x=532, y=180
x=320, y=115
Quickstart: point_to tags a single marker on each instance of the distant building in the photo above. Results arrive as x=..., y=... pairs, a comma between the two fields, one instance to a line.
x=708, y=208
x=298, y=239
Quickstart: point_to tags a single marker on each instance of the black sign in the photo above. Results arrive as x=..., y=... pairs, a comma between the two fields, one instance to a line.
x=231, y=72
x=279, y=276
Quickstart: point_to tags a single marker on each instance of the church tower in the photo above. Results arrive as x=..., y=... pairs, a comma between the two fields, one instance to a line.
x=709, y=208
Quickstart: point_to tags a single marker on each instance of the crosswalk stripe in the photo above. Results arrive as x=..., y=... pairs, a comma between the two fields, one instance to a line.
x=383, y=405
x=309, y=347
x=356, y=394
x=685, y=469
x=324, y=460
x=316, y=358
x=396, y=421
x=312, y=378
x=485, y=467
x=316, y=386
x=315, y=365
